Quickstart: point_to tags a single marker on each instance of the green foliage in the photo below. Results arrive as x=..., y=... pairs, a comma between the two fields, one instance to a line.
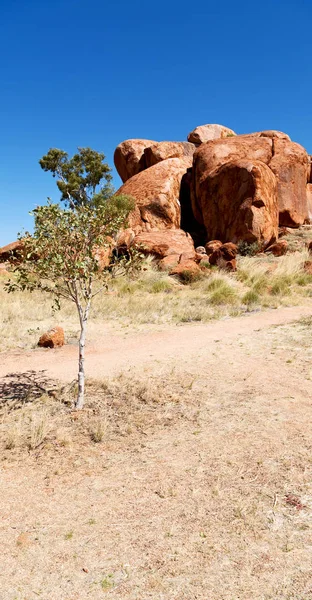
x=61, y=257
x=246, y=249
x=79, y=177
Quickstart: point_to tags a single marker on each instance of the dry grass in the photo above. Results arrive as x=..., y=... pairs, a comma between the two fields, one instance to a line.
x=156, y=298
x=200, y=486
x=113, y=407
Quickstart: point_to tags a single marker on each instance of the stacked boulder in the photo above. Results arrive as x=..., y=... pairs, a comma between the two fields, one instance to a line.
x=216, y=186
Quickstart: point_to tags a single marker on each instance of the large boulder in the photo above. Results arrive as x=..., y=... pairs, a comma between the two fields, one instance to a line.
x=162, y=150
x=238, y=201
x=170, y=242
x=290, y=164
x=156, y=193
x=287, y=160
x=214, y=155
x=129, y=157
x=205, y=133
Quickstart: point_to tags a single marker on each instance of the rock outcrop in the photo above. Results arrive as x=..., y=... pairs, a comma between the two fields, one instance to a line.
x=156, y=193
x=238, y=201
x=133, y=156
x=287, y=160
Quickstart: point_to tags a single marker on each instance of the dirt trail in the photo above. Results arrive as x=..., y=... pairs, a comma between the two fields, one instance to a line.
x=111, y=352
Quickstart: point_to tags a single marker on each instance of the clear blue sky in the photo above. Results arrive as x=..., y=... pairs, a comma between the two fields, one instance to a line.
x=93, y=73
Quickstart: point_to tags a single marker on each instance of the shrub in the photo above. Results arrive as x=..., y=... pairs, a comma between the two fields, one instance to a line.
x=246, y=249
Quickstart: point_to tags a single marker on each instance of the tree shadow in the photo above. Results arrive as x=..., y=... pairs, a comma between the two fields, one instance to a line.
x=17, y=389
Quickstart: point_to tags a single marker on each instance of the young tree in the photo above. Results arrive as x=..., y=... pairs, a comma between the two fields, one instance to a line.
x=84, y=178
x=62, y=258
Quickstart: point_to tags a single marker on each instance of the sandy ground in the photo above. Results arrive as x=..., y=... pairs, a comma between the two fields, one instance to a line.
x=199, y=506
x=110, y=352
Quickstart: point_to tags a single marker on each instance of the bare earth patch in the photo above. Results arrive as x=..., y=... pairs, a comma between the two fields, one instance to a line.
x=187, y=476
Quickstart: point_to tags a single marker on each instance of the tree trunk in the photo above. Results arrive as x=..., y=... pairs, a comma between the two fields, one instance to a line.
x=81, y=373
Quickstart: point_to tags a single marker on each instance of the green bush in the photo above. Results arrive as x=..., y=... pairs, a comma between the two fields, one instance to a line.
x=246, y=249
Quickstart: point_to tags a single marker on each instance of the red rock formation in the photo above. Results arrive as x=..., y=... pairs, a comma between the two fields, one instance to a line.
x=52, y=338
x=290, y=165
x=238, y=201
x=205, y=133
x=162, y=150
x=156, y=192
x=215, y=154
x=234, y=190
x=129, y=157
x=169, y=242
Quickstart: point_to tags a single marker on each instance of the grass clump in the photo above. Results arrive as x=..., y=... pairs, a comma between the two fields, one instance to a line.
x=221, y=291
x=162, y=285
x=98, y=430
x=251, y=297
x=38, y=430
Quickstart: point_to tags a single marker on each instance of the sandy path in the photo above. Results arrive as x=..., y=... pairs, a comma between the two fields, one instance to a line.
x=113, y=352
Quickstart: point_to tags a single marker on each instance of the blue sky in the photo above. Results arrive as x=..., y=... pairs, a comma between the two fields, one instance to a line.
x=76, y=73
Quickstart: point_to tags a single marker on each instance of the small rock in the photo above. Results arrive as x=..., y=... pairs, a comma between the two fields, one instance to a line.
x=200, y=250
x=186, y=270
x=52, y=338
x=279, y=248
x=225, y=257
x=212, y=246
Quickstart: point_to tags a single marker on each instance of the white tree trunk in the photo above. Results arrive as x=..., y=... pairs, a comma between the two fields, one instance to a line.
x=81, y=373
